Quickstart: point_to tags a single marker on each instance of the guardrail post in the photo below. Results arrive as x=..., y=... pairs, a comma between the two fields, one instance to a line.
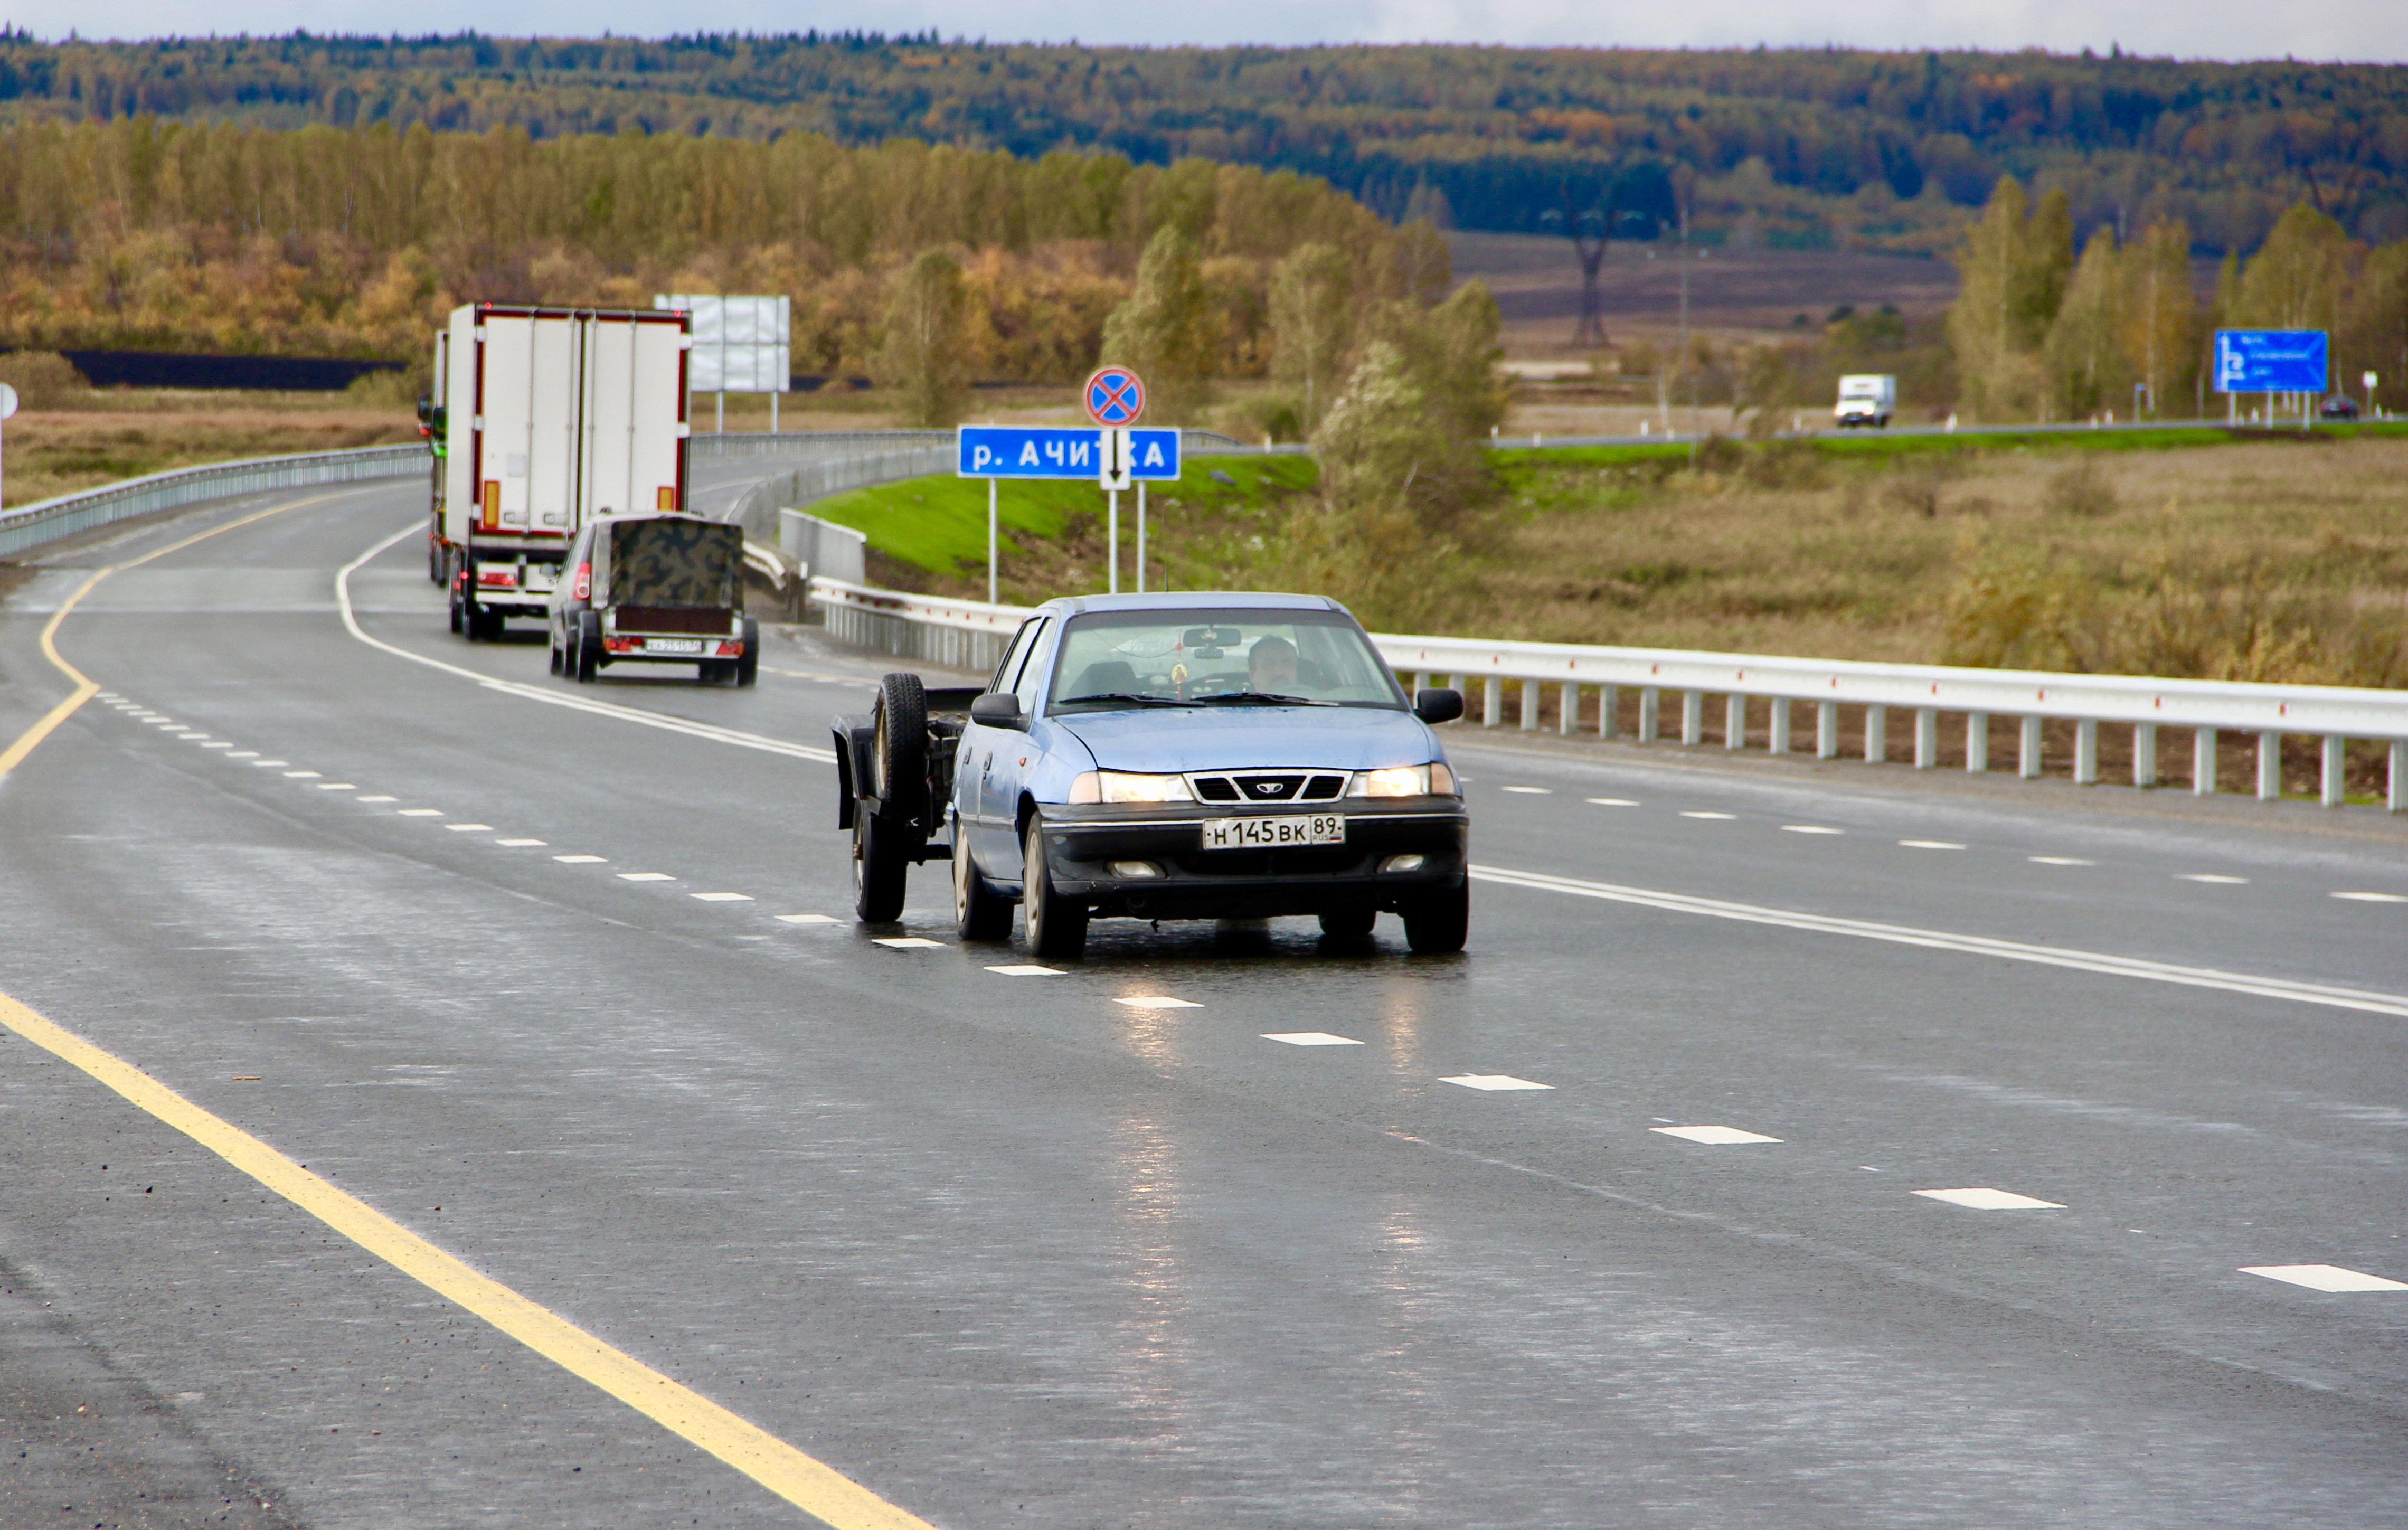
x=1977, y=742
x=2085, y=752
x=1926, y=738
x=1826, y=730
x=2203, y=762
x=1734, y=720
x=1567, y=714
x=2398, y=790
x=1648, y=699
x=1876, y=734
x=2028, y=752
x=1609, y=710
x=2334, y=744
x=2144, y=754
x=2270, y=767
x=1693, y=717
x=1780, y=742
x=1491, y=702
x=1529, y=704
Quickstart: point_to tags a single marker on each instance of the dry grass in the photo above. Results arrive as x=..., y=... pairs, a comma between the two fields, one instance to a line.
x=58, y=452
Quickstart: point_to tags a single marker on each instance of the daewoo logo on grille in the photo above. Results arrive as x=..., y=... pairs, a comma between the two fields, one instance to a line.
x=1267, y=789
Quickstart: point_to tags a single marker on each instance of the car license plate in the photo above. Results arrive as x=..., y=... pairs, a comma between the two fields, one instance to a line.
x=672, y=645
x=1264, y=833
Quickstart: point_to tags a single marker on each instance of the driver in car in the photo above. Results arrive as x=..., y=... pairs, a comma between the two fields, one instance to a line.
x=1270, y=667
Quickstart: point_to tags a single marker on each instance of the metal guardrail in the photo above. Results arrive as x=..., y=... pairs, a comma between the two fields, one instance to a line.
x=971, y=635
x=67, y=514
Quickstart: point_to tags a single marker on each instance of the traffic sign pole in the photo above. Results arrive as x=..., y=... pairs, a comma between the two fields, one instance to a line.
x=1112, y=541
x=990, y=540
x=1140, y=539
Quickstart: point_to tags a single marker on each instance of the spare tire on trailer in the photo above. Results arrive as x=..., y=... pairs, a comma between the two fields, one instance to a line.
x=900, y=753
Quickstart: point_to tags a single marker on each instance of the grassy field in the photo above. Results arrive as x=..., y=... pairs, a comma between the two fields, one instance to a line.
x=59, y=451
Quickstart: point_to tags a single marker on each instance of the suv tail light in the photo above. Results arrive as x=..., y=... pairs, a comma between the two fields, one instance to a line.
x=583, y=588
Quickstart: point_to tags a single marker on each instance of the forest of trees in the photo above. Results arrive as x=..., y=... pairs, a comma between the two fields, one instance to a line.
x=330, y=241
x=1815, y=147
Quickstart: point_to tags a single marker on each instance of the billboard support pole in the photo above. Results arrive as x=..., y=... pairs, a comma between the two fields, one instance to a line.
x=773, y=420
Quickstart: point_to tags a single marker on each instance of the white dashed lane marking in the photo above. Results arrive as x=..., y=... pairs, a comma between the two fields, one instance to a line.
x=1494, y=1083
x=2324, y=1277
x=1715, y=1136
x=270, y=764
x=646, y=877
x=782, y=919
x=2373, y=897
x=722, y=897
x=1930, y=844
x=2058, y=860
x=1610, y=802
x=1808, y=828
x=337, y=786
x=907, y=942
x=1311, y=1039
x=582, y=860
x=1145, y=1001
x=217, y=746
x=1708, y=815
x=303, y=775
x=1985, y=1199
x=379, y=799
x=470, y=828
x=244, y=754
x=517, y=844
x=2212, y=876
x=1010, y=970
x=1531, y=791
x=420, y=812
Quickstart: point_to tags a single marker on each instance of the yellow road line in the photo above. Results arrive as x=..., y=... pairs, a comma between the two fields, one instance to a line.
x=807, y=1483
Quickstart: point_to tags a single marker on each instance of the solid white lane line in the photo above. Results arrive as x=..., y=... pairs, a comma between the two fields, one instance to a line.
x=470, y=828
x=1725, y=816
x=782, y=919
x=2373, y=897
x=1493, y=1082
x=1311, y=1039
x=2324, y=1277
x=582, y=860
x=1930, y=844
x=907, y=942
x=1146, y=1001
x=2212, y=878
x=555, y=698
x=2015, y=950
x=1713, y=1135
x=517, y=844
x=1985, y=1199
x=646, y=877
x=1026, y=969
x=2058, y=860
x=1808, y=828
x=1610, y=802
x=1531, y=791
x=722, y=897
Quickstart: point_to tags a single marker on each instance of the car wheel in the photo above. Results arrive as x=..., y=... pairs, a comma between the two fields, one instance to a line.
x=1349, y=924
x=1057, y=926
x=901, y=755
x=748, y=668
x=586, y=658
x=879, y=870
x=552, y=640
x=1436, y=922
x=980, y=912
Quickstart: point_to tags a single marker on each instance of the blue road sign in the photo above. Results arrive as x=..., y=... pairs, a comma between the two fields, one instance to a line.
x=1114, y=396
x=2270, y=361
x=1051, y=451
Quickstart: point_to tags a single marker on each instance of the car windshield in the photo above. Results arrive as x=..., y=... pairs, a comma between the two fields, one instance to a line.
x=1227, y=657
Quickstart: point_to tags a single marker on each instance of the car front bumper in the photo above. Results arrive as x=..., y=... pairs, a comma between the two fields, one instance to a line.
x=1083, y=843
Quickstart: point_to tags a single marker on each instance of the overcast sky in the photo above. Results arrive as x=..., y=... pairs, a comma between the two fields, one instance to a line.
x=2356, y=30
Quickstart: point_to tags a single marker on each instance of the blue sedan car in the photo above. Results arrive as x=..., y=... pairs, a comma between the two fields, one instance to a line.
x=1167, y=756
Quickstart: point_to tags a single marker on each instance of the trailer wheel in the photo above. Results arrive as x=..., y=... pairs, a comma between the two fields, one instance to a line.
x=878, y=869
x=901, y=752
x=748, y=668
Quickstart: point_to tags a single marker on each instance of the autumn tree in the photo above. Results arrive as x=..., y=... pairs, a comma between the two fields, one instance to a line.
x=2083, y=356
x=1312, y=325
x=921, y=357
x=2014, y=266
x=2160, y=315
x=1166, y=329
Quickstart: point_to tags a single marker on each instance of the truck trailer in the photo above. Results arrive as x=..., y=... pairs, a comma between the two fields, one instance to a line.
x=542, y=420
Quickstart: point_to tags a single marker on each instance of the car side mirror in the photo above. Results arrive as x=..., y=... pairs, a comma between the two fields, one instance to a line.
x=1438, y=704
x=999, y=709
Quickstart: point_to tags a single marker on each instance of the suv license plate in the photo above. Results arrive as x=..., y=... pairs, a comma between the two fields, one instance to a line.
x=1263, y=833
x=672, y=645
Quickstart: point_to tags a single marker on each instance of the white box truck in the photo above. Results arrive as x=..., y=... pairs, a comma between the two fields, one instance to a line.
x=1866, y=399
x=542, y=419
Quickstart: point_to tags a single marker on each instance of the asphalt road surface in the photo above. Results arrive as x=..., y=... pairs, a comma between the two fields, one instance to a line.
x=562, y=981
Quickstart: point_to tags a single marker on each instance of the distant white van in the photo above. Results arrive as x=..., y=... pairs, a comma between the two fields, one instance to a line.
x=1866, y=399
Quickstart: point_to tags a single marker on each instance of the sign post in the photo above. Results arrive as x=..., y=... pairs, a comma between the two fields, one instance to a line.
x=2272, y=362
x=1114, y=398
x=1102, y=457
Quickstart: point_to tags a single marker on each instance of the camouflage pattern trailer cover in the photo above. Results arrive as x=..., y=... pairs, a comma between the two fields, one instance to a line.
x=676, y=563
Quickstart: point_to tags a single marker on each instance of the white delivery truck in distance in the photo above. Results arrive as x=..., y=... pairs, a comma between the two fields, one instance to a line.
x=1866, y=399
x=544, y=419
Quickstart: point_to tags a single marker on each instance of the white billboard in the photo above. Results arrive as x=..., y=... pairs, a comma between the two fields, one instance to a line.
x=740, y=344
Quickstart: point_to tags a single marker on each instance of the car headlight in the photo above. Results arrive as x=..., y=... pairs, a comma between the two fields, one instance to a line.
x=1095, y=786
x=1433, y=780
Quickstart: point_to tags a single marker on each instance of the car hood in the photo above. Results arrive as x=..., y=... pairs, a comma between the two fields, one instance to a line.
x=1241, y=737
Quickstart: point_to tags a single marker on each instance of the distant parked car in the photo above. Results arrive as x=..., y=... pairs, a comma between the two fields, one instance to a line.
x=2339, y=406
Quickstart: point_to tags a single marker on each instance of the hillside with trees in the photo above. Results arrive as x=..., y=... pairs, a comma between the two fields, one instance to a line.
x=1803, y=147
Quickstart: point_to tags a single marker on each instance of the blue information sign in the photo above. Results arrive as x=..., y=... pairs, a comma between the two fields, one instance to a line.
x=1051, y=451
x=2271, y=361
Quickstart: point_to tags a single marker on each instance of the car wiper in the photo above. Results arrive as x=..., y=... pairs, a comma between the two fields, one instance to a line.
x=1130, y=697
x=1260, y=698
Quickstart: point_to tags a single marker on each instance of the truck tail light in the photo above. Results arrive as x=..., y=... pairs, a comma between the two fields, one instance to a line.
x=622, y=645
x=668, y=497
x=505, y=578
x=583, y=588
x=732, y=648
